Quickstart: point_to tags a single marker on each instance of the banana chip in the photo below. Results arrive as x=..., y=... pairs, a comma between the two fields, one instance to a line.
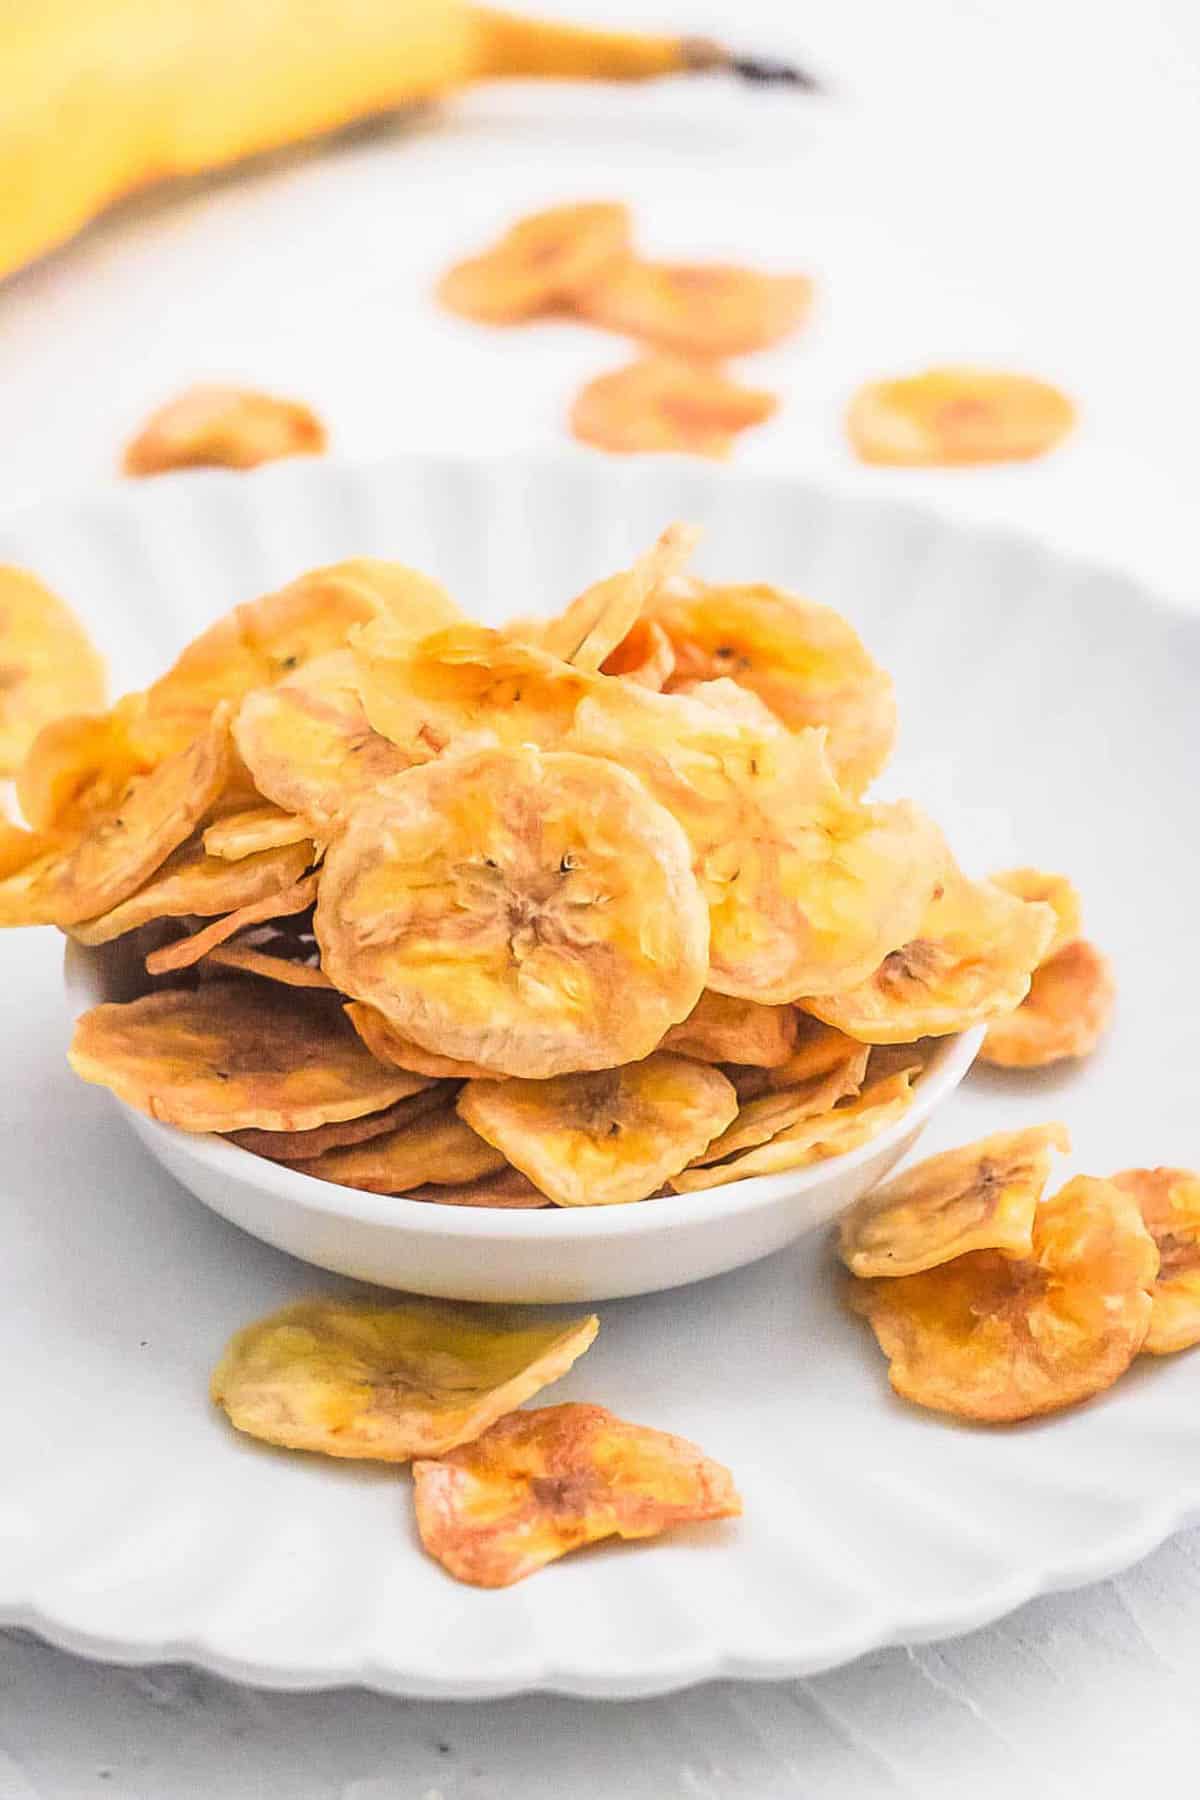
x=804, y=661
x=19, y=848
x=252, y=960
x=1169, y=1200
x=232, y=1055
x=602, y=616
x=542, y=1483
x=644, y=656
x=306, y=1146
x=998, y=1338
x=780, y=1109
x=1056, y=891
x=256, y=829
x=663, y=403
x=437, y=1148
x=354, y=1378
x=957, y=415
x=48, y=667
x=1065, y=1014
x=534, y=914
x=391, y=1046
x=186, y=951
x=507, y=1189
x=119, y=850
x=606, y=1137
x=698, y=309
x=190, y=882
x=723, y=1030
x=77, y=767
x=542, y=264
x=819, y=1050
x=223, y=427
x=981, y=1197
x=971, y=962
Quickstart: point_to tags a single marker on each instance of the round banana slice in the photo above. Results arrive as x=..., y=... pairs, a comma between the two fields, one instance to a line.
x=309, y=745
x=235, y=1054
x=545, y=1482
x=250, y=959
x=804, y=661
x=981, y=1197
x=210, y=426
x=120, y=849
x=255, y=829
x=77, y=767
x=542, y=263
x=186, y=951
x=355, y=1378
x=48, y=668
x=698, y=309
x=957, y=415
x=779, y=1109
x=607, y=1137
x=602, y=616
x=1169, y=1200
x=720, y=1029
x=508, y=1189
x=666, y=404
x=531, y=913
x=191, y=882
x=431, y=1150
x=998, y=1338
x=1056, y=891
x=971, y=961
x=1066, y=1012
x=391, y=1046
x=306, y=1146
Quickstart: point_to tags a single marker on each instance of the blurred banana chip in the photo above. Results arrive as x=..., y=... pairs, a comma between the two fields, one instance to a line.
x=384, y=1383
x=435, y=1148
x=48, y=667
x=1065, y=1013
x=1169, y=1201
x=644, y=656
x=664, y=403
x=698, y=309
x=720, y=1029
x=192, y=882
x=210, y=426
x=306, y=1146
x=78, y=766
x=539, y=1484
x=542, y=264
x=957, y=415
x=255, y=829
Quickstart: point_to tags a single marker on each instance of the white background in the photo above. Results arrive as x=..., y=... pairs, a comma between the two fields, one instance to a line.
x=1011, y=180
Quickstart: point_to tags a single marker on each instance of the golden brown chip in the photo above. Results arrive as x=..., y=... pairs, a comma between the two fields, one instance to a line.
x=256, y=829
x=186, y=951
x=534, y=914
x=664, y=403
x=819, y=1050
x=608, y=1136
x=232, y=1055
x=271, y=966
x=980, y=1197
x=192, y=883
x=437, y=1148
x=356, y=1378
x=391, y=1046
x=19, y=848
x=1065, y=1014
x=77, y=767
x=698, y=309
x=542, y=1483
x=507, y=1189
x=541, y=264
x=1169, y=1200
x=600, y=618
x=643, y=656
x=971, y=962
x=119, y=850
x=998, y=1338
x=854, y=1121
x=306, y=1146
x=1056, y=891
x=804, y=661
x=957, y=415
x=720, y=1029
x=210, y=426
x=780, y=1109
x=48, y=668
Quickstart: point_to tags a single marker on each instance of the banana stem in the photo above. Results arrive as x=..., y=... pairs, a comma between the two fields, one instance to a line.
x=508, y=45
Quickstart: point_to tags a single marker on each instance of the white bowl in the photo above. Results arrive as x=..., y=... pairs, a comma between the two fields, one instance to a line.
x=480, y=1253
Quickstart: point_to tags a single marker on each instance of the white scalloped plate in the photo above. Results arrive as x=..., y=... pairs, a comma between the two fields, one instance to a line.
x=1049, y=713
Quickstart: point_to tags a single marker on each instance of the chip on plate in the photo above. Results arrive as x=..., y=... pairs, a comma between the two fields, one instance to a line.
x=706, y=310
x=957, y=415
x=541, y=264
x=1170, y=1206
x=225, y=427
x=668, y=404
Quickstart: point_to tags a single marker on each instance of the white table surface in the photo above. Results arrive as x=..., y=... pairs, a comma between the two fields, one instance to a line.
x=1007, y=179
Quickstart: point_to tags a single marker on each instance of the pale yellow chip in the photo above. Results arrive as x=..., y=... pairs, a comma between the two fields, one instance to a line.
x=210, y=426
x=957, y=415
x=611, y=1136
x=644, y=657
x=595, y=623
x=542, y=1483
x=533, y=914
x=1056, y=891
x=186, y=951
x=720, y=1029
x=255, y=829
x=383, y=1383
x=193, y=883
x=781, y=1109
x=980, y=1197
x=971, y=962
x=77, y=767
x=232, y=1055
x=435, y=1149
x=708, y=310
x=306, y=1146
x=1065, y=1014
x=998, y=1338
x=391, y=1046
x=48, y=668
x=667, y=404
x=1169, y=1200
x=541, y=264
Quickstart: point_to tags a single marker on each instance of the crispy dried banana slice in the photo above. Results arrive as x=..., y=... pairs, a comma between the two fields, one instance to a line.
x=391, y=1046
x=431, y=1150
x=232, y=1055
x=1066, y=1012
x=186, y=951
x=1057, y=892
x=191, y=883
x=981, y=1197
x=957, y=415
x=355, y=1378
x=309, y=745
x=542, y=263
x=1169, y=1200
x=306, y=1146
x=542, y=1483
x=999, y=1338
x=77, y=767
x=780, y=1109
x=508, y=1189
x=210, y=426
x=48, y=668
x=819, y=1050
x=804, y=661
x=854, y=1121
x=644, y=656
x=269, y=964
x=971, y=961
x=698, y=309
x=605, y=1137
x=120, y=849
x=256, y=829
x=534, y=914
x=720, y=1029
x=663, y=403
x=602, y=616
